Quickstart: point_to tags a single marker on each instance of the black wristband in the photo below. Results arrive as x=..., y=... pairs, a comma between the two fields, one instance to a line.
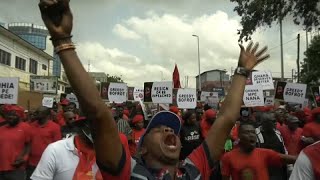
x=242, y=71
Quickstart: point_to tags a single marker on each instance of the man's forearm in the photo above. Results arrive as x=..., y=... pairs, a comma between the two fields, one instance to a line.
x=106, y=139
x=220, y=130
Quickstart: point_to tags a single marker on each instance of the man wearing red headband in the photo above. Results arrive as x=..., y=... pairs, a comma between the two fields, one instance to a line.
x=311, y=131
x=15, y=144
x=137, y=132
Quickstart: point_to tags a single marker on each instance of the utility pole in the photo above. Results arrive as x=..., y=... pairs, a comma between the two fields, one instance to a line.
x=298, y=59
x=89, y=66
x=281, y=48
x=307, y=45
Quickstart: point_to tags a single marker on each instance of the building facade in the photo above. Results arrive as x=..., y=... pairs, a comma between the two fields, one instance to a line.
x=19, y=58
x=213, y=79
x=99, y=76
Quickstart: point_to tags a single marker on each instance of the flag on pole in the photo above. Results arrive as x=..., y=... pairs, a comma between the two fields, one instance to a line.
x=176, y=77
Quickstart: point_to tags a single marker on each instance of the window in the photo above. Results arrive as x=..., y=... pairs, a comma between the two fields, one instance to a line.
x=33, y=66
x=20, y=63
x=5, y=57
x=44, y=67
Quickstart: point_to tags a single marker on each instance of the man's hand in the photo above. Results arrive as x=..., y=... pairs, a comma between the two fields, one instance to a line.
x=57, y=17
x=249, y=57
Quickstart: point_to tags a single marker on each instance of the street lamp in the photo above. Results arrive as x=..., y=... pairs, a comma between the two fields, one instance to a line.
x=198, y=60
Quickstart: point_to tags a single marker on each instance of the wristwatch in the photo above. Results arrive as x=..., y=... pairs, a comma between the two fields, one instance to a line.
x=242, y=71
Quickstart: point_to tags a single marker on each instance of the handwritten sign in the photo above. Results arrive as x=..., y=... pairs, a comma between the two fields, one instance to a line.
x=9, y=90
x=138, y=94
x=47, y=102
x=161, y=92
x=73, y=98
x=269, y=101
x=295, y=93
x=187, y=98
x=263, y=78
x=253, y=96
x=117, y=92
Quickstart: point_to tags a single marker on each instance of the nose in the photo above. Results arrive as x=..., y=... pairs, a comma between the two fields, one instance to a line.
x=168, y=130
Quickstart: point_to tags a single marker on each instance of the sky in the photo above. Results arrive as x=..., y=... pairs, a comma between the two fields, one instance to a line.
x=142, y=40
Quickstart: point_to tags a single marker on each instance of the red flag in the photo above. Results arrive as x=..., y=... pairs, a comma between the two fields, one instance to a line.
x=176, y=77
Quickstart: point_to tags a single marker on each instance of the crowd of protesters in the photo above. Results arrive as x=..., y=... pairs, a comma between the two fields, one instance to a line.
x=117, y=142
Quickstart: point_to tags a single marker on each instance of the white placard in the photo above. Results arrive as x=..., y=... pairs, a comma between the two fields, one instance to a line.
x=161, y=92
x=138, y=94
x=210, y=98
x=44, y=84
x=295, y=93
x=263, y=78
x=187, y=98
x=117, y=92
x=47, y=102
x=9, y=90
x=253, y=96
x=305, y=103
x=73, y=98
x=269, y=101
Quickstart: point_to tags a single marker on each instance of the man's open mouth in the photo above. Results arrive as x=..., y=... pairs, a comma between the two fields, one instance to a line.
x=170, y=141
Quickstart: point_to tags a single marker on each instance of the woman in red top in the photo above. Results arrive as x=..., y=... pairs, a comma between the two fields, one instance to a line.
x=138, y=131
x=311, y=131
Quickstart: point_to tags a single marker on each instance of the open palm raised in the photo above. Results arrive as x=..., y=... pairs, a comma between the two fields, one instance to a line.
x=251, y=57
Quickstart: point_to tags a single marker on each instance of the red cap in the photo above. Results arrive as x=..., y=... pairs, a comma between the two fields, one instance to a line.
x=210, y=114
x=137, y=118
x=174, y=109
x=262, y=108
x=64, y=102
x=18, y=109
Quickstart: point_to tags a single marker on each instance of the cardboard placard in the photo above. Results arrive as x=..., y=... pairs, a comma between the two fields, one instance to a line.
x=253, y=96
x=263, y=78
x=210, y=98
x=158, y=92
x=114, y=92
x=47, y=102
x=186, y=98
x=269, y=101
x=44, y=84
x=73, y=98
x=295, y=93
x=9, y=90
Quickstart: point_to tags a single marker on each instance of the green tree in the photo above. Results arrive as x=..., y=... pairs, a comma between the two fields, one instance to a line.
x=114, y=78
x=312, y=76
x=259, y=13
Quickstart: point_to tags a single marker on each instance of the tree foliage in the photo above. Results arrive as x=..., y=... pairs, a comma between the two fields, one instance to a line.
x=114, y=78
x=259, y=13
x=313, y=59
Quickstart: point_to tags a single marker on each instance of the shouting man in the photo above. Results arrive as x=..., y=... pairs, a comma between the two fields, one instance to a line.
x=160, y=145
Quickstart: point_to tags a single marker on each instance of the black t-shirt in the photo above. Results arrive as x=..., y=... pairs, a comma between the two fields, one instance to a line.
x=190, y=136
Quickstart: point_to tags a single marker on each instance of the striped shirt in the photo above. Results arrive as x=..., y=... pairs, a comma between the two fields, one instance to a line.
x=124, y=127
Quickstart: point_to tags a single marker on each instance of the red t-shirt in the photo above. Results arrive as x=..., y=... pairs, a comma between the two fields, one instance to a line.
x=200, y=158
x=312, y=129
x=235, y=132
x=12, y=142
x=136, y=135
x=41, y=137
x=249, y=166
x=205, y=127
x=292, y=140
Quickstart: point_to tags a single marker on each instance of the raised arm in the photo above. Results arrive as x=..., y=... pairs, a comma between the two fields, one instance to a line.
x=229, y=113
x=58, y=18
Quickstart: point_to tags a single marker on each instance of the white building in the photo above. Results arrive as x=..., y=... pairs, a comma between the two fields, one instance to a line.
x=19, y=58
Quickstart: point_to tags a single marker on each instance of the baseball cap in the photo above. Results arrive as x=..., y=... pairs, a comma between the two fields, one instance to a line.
x=165, y=118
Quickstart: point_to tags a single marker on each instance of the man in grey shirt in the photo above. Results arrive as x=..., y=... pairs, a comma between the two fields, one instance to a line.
x=123, y=125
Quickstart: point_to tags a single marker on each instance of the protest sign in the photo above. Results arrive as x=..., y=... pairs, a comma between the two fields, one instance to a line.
x=186, y=98
x=9, y=90
x=253, y=96
x=138, y=94
x=220, y=91
x=269, y=101
x=47, y=102
x=263, y=78
x=210, y=98
x=295, y=93
x=44, y=84
x=73, y=98
x=158, y=92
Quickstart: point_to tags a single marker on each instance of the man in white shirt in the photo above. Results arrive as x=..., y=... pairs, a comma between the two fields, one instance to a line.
x=62, y=160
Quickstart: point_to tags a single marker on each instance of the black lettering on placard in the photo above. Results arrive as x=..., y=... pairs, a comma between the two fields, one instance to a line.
x=294, y=92
x=5, y=87
x=261, y=78
x=161, y=92
x=117, y=92
x=186, y=98
x=252, y=95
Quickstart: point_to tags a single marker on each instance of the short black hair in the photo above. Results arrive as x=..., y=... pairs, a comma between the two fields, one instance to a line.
x=246, y=123
x=187, y=115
